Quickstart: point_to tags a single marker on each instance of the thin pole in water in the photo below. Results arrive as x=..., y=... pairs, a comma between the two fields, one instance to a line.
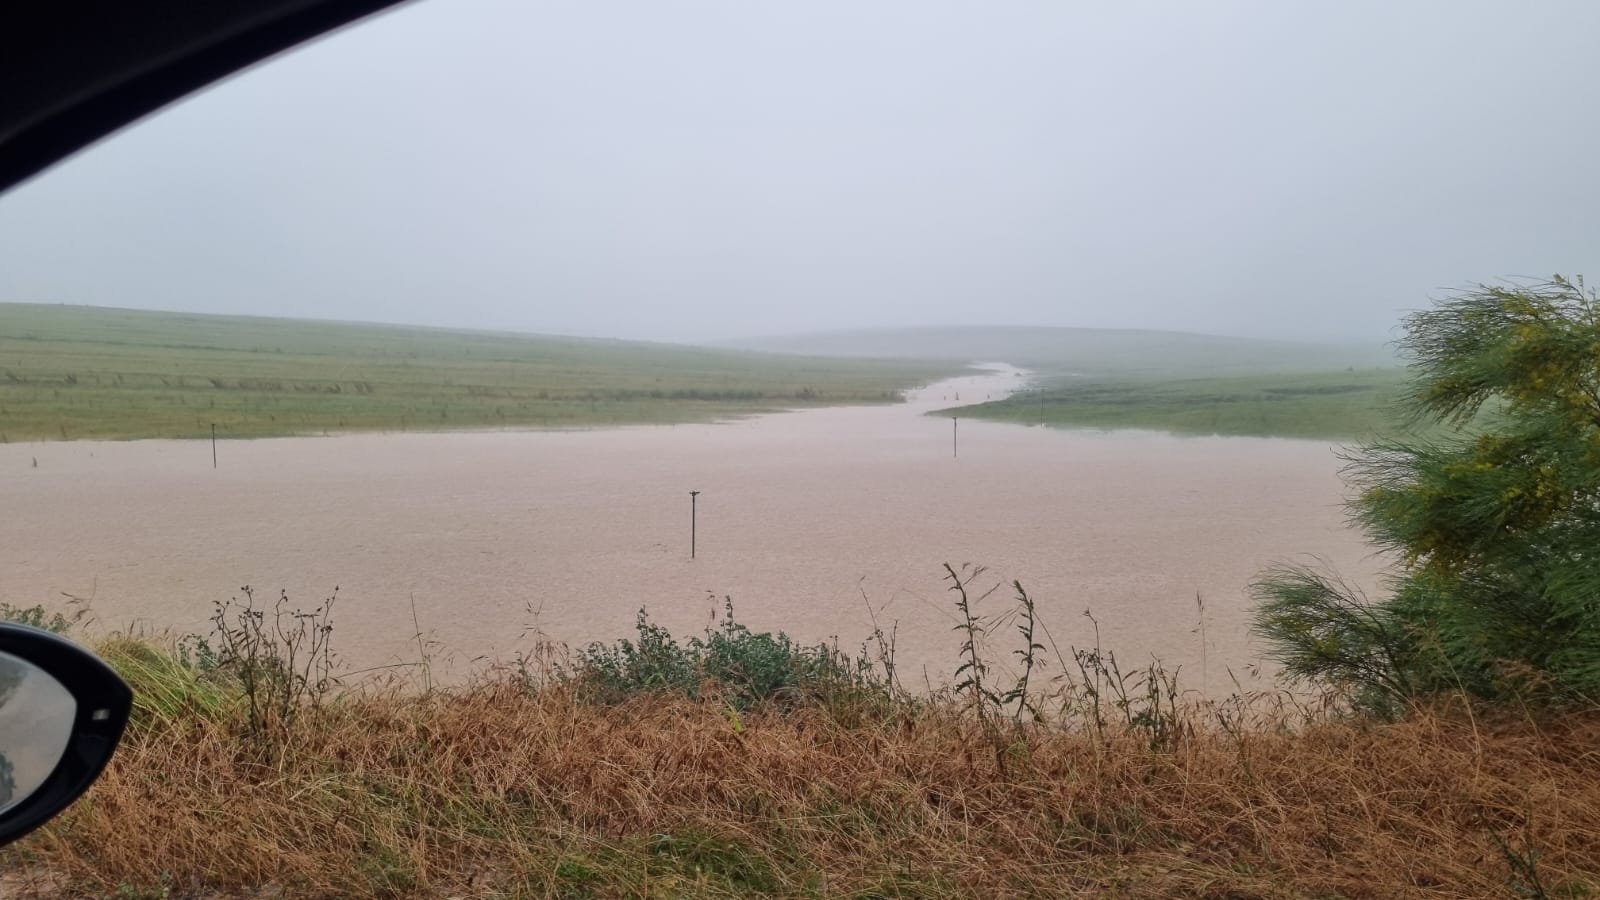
x=955, y=449
x=213, y=445
x=694, y=500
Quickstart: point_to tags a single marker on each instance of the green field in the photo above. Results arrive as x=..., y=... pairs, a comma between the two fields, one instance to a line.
x=72, y=372
x=1095, y=352
x=1342, y=405
x=1164, y=380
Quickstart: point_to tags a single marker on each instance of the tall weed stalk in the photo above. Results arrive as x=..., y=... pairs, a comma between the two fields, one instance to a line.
x=280, y=655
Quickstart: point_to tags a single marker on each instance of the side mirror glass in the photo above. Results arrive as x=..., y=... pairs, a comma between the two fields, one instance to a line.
x=62, y=711
x=36, y=716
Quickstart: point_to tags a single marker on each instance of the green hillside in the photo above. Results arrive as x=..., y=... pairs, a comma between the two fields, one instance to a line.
x=69, y=372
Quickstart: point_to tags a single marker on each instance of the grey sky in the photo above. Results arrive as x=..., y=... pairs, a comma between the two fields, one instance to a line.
x=698, y=170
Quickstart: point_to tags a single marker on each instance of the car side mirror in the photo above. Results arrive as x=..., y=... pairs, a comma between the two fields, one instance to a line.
x=62, y=711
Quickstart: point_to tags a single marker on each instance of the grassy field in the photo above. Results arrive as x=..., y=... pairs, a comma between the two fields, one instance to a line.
x=1095, y=352
x=754, y=768
x=1340, y=405
x=82, y=372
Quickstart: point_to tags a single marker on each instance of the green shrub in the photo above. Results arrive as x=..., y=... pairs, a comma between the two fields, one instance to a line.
x=1495, y=525
x=1322, y=629
x=745, y=668
x=36, y=616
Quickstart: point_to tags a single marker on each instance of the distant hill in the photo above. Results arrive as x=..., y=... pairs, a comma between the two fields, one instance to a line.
x=69, y=372
x=1089, y=351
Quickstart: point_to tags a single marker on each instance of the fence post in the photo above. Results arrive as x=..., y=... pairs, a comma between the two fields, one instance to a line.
x=694, y=500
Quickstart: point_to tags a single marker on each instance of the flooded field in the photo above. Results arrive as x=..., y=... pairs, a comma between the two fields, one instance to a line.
x=804, y=519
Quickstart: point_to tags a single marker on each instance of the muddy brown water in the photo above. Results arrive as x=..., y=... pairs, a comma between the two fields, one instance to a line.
x=804, y=519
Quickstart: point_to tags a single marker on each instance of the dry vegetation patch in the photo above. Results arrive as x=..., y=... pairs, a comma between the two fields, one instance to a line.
x=501, y=789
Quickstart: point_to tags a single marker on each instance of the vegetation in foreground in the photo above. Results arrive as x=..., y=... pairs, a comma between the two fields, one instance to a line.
x=1335, y=405
x=1495, y=520
x=83, y=372
x=740, y=764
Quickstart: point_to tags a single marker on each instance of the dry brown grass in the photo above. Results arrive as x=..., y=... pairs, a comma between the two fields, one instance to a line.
x=498, y=790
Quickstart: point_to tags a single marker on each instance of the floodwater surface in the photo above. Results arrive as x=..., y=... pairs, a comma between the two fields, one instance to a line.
x=806, y=519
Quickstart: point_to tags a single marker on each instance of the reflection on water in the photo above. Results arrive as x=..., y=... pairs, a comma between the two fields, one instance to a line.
x=803, y=518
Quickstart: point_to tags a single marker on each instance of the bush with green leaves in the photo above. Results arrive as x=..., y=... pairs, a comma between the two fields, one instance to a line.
x=745, y=668
x=1496, y=523
x=37, y=616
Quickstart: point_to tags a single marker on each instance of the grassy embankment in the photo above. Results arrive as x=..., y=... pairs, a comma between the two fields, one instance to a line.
x=83, y=372
x=1334, y=405
x=746, y=766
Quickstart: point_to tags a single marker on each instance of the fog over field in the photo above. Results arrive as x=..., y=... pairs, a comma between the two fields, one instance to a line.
x=709, y=170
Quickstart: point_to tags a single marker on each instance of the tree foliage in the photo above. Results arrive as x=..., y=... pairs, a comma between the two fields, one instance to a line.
x=1496, y=524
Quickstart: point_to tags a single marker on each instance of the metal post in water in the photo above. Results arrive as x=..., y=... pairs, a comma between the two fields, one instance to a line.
x=694, y=499
x=213, y=445
x=955, y=449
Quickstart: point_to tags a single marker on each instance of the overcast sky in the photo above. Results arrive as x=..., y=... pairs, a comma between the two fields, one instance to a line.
x=690, y=170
